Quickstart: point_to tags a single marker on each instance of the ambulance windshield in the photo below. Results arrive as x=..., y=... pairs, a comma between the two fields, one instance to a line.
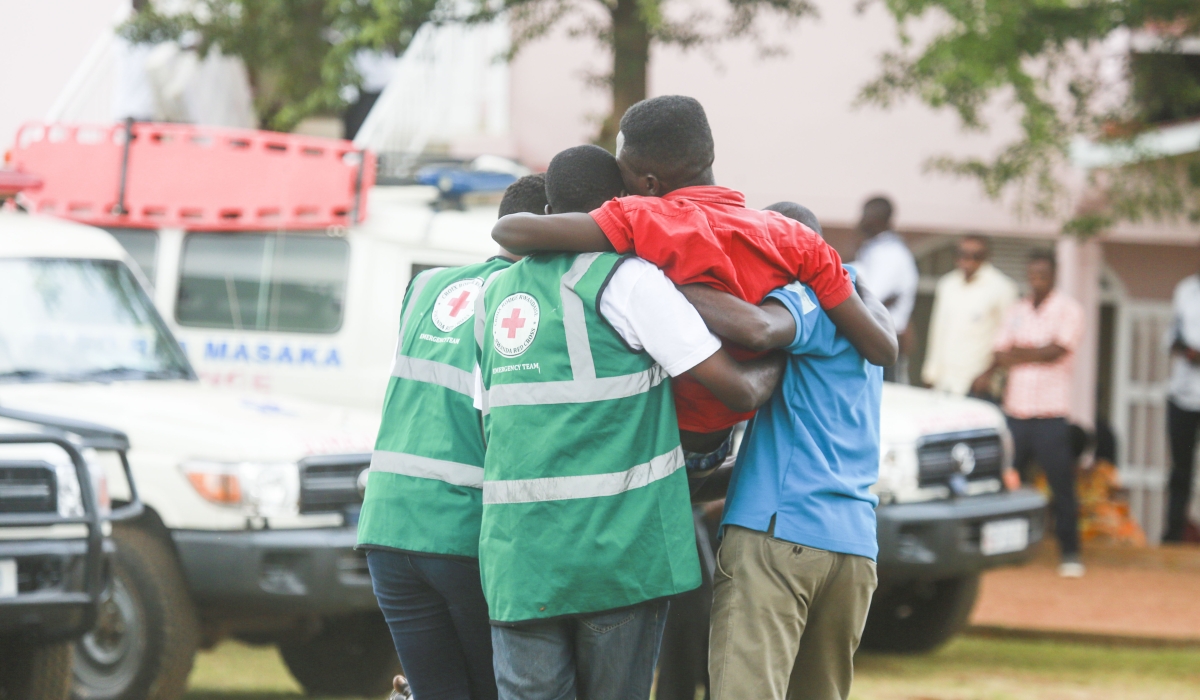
x=80, y=320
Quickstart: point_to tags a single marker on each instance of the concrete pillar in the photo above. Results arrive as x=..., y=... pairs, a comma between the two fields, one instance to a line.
x=1079, y=267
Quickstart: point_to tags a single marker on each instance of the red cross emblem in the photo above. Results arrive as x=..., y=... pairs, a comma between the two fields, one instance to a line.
x=458, y=304
x=513, y=323
x=455, y=304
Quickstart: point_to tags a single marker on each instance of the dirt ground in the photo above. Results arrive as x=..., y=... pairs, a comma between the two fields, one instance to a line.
x=1139, y=593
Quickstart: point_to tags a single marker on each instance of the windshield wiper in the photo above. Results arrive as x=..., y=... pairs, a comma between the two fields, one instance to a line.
x=20, y=375
x=113, y=373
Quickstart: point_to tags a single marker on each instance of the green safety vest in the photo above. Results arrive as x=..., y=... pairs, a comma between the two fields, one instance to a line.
x=423, y=491
x=585, y=501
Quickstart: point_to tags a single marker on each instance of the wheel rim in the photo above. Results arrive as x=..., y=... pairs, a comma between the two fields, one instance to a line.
x=107, y=658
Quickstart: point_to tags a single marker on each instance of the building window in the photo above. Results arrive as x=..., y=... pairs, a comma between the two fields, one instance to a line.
x=142, y=246
x=1166, y=86
x=263, y=282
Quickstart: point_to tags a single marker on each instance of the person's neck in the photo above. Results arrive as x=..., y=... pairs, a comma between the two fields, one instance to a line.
x=704, y=179
x=1038, y=300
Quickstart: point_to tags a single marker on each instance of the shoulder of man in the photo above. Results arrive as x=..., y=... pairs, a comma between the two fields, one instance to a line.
x=1187, y=285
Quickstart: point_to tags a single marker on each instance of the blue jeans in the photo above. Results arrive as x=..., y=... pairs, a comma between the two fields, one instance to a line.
x=604, y=656
x=435, y=609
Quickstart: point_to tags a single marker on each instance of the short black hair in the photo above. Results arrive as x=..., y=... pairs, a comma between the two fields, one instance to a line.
x=527, y=194
x=980, y=239
x=582, y=178
x=669, y=135
x=880, y=206
x=1044, y=255
x=797, y=212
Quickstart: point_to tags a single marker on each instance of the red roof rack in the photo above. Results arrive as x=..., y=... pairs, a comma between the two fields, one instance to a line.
x=193, y=177
x=12, y=182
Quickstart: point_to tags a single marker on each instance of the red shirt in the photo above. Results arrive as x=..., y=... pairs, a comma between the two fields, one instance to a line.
x=706, y=234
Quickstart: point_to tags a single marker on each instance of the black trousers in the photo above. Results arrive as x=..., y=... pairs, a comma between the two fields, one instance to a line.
x=1048, y=442
x=683, y=657
x=1181, y=433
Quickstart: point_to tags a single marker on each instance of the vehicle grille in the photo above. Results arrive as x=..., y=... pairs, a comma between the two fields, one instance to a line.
x=27, y=488
x=938, y=462
x=329, y=483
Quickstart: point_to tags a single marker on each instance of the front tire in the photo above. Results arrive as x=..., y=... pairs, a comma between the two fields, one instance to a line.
x=350, y=656
x=146, y=635
x=30, y=672
x=919, y=617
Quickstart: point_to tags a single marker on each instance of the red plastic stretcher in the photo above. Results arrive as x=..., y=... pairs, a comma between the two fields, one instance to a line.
x=193, y=177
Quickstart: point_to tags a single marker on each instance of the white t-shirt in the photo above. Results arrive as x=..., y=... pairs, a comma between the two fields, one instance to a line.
x=650, y=313
x=888, y=268
x=1184, y=388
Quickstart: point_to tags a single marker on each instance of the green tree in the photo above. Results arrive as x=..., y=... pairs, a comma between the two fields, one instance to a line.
x=298, y=53
x=1046, y=60
x=629, y=28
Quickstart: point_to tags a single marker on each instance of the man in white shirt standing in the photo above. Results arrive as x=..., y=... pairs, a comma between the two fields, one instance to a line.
x=887, y=267
x=969, y=306
x=1183, y=404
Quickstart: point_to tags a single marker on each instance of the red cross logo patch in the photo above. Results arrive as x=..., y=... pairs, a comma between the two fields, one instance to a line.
x=456, y=304
x=515, y=324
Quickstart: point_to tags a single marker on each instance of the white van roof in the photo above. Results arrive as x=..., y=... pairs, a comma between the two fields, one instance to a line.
x=36, y=236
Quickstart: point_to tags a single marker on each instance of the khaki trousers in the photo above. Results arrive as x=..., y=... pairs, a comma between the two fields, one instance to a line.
x=786, y=619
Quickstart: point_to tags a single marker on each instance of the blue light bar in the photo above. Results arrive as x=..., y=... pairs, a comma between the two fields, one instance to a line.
x=455, y=182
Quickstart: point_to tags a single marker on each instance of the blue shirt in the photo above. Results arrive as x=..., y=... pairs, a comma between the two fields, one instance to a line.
x=811, y=453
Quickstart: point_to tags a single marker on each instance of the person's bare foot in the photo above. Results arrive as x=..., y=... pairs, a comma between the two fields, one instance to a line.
x=400, y=689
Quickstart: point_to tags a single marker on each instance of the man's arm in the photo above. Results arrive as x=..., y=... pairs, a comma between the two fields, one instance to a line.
x=868, y=326
x=742, y=386
x=529, y=233
x=758, y=328
x=1025, y=356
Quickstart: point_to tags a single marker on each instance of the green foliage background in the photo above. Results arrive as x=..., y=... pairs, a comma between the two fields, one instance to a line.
x=1040, y=58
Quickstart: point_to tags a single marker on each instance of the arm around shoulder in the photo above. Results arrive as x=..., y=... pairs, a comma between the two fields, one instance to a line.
x=758, y=328
x=529, y=233
x=868, y=326
x=742, y=386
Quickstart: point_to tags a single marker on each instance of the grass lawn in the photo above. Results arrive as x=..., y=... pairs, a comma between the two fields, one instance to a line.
x=969, y=668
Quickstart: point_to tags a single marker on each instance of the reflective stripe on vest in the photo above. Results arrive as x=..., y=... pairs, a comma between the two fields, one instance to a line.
x=562, y=488
x=584, y=386
x=431, y=372
x=427, y=468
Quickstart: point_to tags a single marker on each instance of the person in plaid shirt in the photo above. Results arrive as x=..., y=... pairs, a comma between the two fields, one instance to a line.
x=1037, y=345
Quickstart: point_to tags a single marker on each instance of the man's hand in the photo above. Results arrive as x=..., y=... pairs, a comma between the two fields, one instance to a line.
x=758, y=328
x=529, y=233
x=1192, y=356
x=742, y=386
x=982, y=386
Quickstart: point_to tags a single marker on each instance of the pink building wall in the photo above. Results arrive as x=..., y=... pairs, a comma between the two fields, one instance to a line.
x=41, y=44
x=788, y=128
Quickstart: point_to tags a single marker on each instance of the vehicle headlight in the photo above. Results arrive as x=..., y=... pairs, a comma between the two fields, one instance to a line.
x=897, y=471
x=262, y=489
x=70, y=495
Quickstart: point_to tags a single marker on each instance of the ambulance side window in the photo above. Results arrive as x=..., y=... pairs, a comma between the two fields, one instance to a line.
x=142, y=246
x=264, y=282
